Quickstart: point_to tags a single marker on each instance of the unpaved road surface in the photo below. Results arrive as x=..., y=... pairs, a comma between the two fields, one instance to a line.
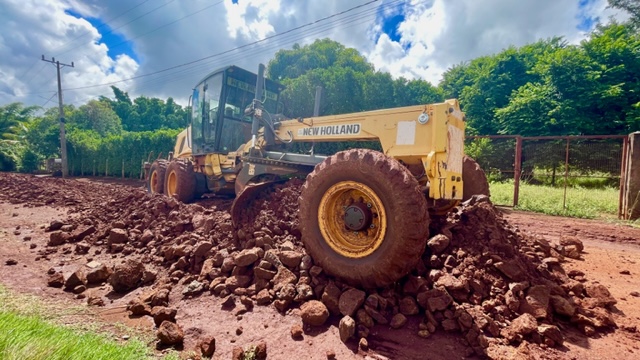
x=476, y=295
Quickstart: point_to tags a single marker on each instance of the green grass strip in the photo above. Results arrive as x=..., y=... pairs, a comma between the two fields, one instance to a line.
x=580, y=203
x=30, y=337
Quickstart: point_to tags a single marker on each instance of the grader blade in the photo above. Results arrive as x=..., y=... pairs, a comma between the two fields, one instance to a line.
x=244, y=199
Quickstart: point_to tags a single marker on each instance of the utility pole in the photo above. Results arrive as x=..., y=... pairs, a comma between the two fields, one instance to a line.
x=63, y=139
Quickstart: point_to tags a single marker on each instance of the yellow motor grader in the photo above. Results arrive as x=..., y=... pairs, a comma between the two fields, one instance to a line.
x=364, y=214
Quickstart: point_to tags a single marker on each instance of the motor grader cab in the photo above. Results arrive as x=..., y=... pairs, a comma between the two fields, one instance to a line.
x=364, y=214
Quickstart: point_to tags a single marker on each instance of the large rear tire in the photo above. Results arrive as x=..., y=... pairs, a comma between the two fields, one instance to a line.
x=363, y=217
x=180, y=181
x=474, y=178
x=155, y=180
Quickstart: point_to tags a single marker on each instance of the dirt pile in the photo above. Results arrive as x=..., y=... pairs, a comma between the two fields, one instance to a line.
x=479, y=276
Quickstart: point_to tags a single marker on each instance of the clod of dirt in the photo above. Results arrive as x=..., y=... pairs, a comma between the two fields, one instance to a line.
x=347, y=328
x=161, y=314
x=55, y=280
x=208, y=346
x=11, y=262
x=170, y=333
x=296, y=332
x=126, y=276
x=261, y=350
x=77, y=278
x=237, y=353
x=314, y=313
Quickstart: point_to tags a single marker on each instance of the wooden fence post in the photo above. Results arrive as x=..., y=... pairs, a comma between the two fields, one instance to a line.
x=106, y=168
x=123, y=168
x=518, y=170
x=631, y=201
x=94, y=167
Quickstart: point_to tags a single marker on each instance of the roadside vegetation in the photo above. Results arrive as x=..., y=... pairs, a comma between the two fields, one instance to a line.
x=33, y=329
x=581, y=202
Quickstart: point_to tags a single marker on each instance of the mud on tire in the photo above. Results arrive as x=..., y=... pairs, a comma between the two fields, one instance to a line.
x=407, y=219
x=155, y=179
x=475, y=180
x=180, y=181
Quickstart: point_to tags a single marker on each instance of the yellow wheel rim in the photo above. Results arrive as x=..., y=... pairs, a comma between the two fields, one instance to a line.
x=172, y=183
x=352, y=219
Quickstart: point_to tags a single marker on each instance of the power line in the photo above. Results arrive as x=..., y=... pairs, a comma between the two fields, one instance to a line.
x=226, y=51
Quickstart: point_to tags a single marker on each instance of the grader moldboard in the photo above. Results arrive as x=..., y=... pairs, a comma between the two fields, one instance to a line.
x=364, y=214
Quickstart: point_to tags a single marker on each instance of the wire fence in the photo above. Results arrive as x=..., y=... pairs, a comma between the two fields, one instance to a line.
x=560, y=161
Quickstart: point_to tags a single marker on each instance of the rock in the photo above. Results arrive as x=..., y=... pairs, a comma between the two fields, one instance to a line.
x=263, y=297
x=55, y=225
x=571, y=251
x=98, y=274
x=237, y=353
x=57, y=238
x=95, y=301
x=290, y=259
x=363, y=344
x=208, y=346
x=552, y=332
x=261, y=350
x=436, y=299
x=510, y=269
x=201, y=249
x=160, y=298
x=350, y=301
x=194, y=288
x=161, y=314
x=438, y=243
x=304, y=292
x=572, y=241
x=77, y=278
x=601, y=294
x=261, y=273
x=237, y=281
x=562, y=306
x=126, y=276
x=536, y=302
x=55, y=280
x=296, y=332
x=331, y=298
x=331, y=355
x=347, y=328
x=397, y=321
x=79, y=289
x=117, y=236
x=11, y=262
x=138, y=308
x=408, y=306
x=283, y=277
x=450, y=325
x=364, y=319
x=523, y=325
x=314, y=313
x=80, y=235
x=248, y=256
x=170, y=333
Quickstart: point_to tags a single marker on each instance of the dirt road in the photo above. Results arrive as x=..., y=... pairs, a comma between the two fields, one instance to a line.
x=611, y=257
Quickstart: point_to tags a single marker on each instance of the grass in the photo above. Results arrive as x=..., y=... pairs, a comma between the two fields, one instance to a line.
x=33, y=329
x=580, y=202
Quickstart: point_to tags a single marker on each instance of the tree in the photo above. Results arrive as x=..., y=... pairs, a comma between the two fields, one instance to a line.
x=630, y=6
x=98, y=116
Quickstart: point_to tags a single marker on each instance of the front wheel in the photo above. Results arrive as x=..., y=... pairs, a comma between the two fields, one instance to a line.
x=180, y=181
x=363, y=217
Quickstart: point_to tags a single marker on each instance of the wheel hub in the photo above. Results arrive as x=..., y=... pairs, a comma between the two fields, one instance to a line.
x=352, y=219
x=357, y=217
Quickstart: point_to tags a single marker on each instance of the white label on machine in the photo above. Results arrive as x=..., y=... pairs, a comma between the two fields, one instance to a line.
x=406, y=133
x=330, y=130
x=456, y=149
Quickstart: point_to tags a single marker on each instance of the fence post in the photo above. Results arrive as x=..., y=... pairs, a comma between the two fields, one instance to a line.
x=632, y=196
x=94, y=167
x=123, y=168
x=106, y=168
x=518, y=170
x=566, y=174
x=82, y=167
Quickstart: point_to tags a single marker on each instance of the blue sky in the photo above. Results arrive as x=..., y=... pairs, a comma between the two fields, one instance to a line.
x=116, y=43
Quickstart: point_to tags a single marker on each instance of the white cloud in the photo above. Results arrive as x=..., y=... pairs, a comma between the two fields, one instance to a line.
x=434, y=35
